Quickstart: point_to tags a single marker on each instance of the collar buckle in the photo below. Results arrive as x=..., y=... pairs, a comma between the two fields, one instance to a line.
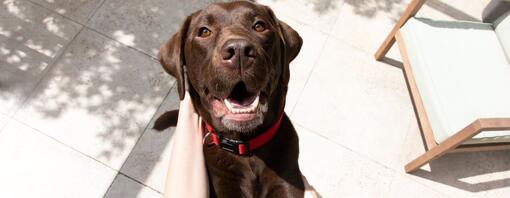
x=234, y=146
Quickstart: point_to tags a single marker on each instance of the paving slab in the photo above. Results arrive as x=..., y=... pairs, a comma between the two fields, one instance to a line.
x=146, y=25
x=148, y=162
x=301, y=67
x=31, y=38
x=34, y=165
x=365, y=24
x=79, y=11
x=356, y=102
x=334, y=170
x=3, y=121
x=402, y=186
x=321, y=15
x=98, y=98
x=124, y=187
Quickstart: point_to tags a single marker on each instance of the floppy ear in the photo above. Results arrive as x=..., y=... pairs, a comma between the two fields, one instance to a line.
x=291, y=44
x=171, y=56
x=292, y=41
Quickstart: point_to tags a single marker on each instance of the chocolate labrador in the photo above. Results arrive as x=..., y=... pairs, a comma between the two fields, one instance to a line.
x=234, y=60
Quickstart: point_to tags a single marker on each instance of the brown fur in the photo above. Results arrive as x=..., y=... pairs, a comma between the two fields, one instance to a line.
x=272, y=170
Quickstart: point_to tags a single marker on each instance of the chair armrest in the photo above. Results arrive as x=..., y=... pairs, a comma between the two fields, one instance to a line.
x=494, y=10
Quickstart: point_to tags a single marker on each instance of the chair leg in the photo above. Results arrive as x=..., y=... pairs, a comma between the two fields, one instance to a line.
x=453, y=142
x=423, y=159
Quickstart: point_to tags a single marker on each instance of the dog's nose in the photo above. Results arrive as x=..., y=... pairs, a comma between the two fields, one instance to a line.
x=237, y=51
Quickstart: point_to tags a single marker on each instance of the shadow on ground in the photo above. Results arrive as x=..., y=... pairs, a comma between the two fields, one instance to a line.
x=468, y=172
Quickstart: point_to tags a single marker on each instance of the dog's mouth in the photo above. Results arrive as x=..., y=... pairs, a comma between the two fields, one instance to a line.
x=239, y=105
x=241, y=101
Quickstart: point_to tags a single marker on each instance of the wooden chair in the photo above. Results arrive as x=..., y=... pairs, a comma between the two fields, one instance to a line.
x=458, y=76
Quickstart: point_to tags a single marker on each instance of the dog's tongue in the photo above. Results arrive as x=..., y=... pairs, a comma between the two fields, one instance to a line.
x=241, y=101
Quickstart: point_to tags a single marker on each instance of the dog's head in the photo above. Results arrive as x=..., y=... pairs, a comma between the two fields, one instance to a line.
x=235, y=57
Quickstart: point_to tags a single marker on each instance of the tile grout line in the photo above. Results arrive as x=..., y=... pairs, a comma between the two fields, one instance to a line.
x=63, y=144
x=392, y=171
x=85, y=26
x=314, y=65
x=110, y=186
x=123, y=44
x=55, y=60
x=141, y=183
x=95, y=11
x=343, y=146
x=398, y=159
x=44, y=74
x=408, y=130
x=138, y=140
x=134, y=180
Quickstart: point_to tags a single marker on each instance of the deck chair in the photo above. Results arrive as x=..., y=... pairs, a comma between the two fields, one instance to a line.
x=458, y=76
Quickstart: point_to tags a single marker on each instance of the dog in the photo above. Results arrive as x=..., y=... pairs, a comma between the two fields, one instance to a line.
x=233, y=58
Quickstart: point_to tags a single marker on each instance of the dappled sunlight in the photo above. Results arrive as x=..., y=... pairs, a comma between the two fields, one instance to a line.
x=370, y=8
x=144, y=26
x=128, y=39
x=52, y=27
x=105, y=86
x=13, y=8
x=30, y=39
x=487, y=177
x=322, y=6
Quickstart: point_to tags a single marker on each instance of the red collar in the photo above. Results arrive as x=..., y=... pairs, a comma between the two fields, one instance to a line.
x=243, y=147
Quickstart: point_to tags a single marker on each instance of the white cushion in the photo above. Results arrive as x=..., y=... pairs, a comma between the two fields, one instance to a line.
x=502, y=26
x=461, y=73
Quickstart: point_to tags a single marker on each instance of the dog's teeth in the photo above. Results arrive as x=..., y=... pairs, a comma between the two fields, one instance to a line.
x=237, y=110
x=229, y=106
x=255, y=102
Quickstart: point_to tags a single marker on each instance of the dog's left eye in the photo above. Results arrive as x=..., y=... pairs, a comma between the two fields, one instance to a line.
x=204, y=32
x=259, y=26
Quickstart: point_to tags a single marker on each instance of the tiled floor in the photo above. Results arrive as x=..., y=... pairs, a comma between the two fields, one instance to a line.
x=80, y=88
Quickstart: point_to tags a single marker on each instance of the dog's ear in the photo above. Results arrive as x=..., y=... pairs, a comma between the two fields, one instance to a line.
x=171, y=56
x=291, y=42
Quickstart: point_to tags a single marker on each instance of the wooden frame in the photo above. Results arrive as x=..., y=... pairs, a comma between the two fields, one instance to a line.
x=411, y=10
x=454, y=143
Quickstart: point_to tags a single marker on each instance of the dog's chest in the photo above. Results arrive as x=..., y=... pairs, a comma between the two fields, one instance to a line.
x=238, y=176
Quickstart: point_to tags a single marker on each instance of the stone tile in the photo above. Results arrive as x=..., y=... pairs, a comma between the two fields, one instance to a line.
x=78, y=11
x=478, y=174
x=143, y=25
x=124, y=187
x=98, y=98
x=357, y=102
x=148, y=162
x=31, y=38
x=302, y=66
x=365, y=24
x=405, y=187
x=34, y=165
x=453, y=10
x=319, y=14
x=334, y=170
x=3, y=121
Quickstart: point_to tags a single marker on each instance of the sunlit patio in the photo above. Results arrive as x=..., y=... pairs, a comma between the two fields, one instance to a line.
x=80, y=88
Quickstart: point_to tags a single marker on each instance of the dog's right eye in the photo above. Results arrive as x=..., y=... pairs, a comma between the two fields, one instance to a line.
x=204, y=32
